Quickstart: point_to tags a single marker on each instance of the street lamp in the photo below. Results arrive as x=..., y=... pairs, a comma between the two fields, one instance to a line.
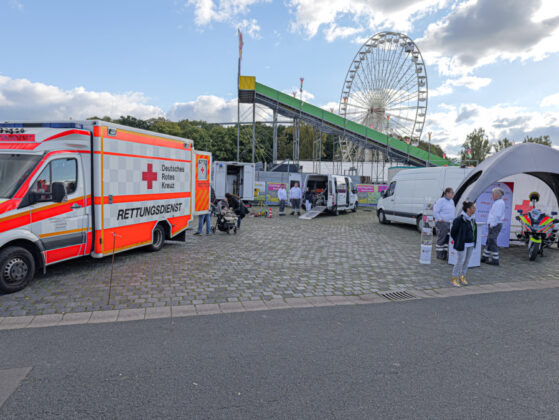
x=429, y=153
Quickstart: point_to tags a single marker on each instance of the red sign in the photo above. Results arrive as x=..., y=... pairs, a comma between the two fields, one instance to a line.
x=17, y=137
x=149, y=176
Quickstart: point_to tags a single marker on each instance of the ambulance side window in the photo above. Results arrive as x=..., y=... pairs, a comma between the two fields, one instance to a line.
x=43, y=182
x=59, y=170
x=65, y=171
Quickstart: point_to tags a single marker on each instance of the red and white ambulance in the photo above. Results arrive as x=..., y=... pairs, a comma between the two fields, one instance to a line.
x=69, y=189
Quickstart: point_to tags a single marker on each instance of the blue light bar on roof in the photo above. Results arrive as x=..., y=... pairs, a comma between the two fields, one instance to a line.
x=45, y=125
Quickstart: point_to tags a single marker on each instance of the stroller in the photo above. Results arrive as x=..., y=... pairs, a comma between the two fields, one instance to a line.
x=226, y=219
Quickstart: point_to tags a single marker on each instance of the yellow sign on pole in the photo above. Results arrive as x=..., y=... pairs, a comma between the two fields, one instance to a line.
x=247, y=82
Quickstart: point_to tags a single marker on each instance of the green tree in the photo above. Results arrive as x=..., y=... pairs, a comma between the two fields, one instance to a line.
x=545, y=140
x=476, y=148
x=435, y=148
x=502, y=144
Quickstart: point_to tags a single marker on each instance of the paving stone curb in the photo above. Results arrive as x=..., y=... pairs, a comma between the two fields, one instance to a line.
x=124, y=315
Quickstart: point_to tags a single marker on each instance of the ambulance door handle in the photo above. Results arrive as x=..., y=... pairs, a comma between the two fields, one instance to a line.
x=75, y=206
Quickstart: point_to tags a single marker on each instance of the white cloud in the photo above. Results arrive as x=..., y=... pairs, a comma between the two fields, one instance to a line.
x=470, y=82
x=21, y=99
x=334, y=32
x=451, y=124
x=250, y=27
x=226, y=11
x=307, y=96
x=208, y=108
x=550, y=100
x=310, y=15
x=331, y=106
x=480, y=32
x=16, y=4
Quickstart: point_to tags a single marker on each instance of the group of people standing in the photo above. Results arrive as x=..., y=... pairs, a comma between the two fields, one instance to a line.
x=463, y=231
x=295, y=197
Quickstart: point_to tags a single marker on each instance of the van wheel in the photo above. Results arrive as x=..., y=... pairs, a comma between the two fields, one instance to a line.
x=419, y=223
x=158, y=239
x=17, y=268
x=382, y=218
x=354, y=209
x=336, y=211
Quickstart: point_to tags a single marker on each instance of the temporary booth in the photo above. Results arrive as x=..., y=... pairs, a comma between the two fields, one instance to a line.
x=536, y=160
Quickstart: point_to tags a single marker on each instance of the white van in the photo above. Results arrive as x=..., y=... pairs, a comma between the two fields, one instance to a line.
x=336, y=192
x=405, y=198
x=234, y=178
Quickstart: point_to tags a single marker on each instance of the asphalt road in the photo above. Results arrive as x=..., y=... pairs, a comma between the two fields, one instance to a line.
x=478, y=356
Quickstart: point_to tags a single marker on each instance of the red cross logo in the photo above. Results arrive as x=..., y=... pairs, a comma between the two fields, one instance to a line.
x=525, y=207
x=149, y=176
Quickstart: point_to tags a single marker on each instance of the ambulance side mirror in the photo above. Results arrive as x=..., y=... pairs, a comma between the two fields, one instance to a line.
x=58, y=192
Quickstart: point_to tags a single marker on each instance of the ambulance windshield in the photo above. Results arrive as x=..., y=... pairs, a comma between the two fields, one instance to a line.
x=14, y=170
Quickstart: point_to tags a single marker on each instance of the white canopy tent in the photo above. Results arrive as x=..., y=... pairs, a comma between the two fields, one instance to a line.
x=532, y=167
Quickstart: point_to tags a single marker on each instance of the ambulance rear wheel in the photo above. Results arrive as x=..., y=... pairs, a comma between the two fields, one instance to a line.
x=158, y=239
x=17, y=268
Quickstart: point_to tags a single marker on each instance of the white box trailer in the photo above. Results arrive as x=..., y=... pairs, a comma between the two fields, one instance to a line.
x=70, y=189
x=234, y=178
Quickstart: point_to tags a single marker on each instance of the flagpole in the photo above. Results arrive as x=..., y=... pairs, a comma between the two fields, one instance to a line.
x=238, y=109
x=238, y=102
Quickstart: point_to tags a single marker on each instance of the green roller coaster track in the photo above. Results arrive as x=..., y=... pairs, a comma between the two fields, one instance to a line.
x=251, y=91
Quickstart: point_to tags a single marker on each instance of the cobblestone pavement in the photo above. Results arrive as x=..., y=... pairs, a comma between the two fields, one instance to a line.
x=281, y=258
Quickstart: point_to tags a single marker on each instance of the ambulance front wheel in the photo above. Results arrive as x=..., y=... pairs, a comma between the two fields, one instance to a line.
x=17, y=268
x=158, y=239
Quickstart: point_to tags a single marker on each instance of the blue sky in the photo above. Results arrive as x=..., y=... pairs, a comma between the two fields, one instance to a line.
x=492, y=63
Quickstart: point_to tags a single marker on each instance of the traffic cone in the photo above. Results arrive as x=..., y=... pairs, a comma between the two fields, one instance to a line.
x=270, y=213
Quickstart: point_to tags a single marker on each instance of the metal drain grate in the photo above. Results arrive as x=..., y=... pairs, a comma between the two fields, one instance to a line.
x=399, y=296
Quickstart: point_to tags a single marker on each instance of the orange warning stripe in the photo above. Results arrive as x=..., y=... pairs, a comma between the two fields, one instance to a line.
x=65, y=232
x=25, y=217
x=202, y=199
x=142, y=138
x=142, y=157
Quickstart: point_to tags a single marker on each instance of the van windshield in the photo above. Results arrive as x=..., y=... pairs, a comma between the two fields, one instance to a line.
x=14, y=170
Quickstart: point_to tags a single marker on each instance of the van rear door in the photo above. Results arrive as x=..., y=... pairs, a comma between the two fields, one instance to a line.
x=220, y=178
x=201, y=182
x=341, y=192
x=248, y=183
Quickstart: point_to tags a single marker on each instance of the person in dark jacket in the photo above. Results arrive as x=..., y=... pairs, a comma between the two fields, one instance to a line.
x=308, y=199
x=237, y=206
x=464, y=234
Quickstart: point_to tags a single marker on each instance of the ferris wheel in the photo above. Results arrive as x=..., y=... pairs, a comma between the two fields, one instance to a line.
x=386, y=87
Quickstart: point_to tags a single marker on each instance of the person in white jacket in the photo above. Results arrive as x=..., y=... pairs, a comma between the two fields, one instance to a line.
x=295, y=195
x=444, y=213
x=282, y=197
x=495, y=221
